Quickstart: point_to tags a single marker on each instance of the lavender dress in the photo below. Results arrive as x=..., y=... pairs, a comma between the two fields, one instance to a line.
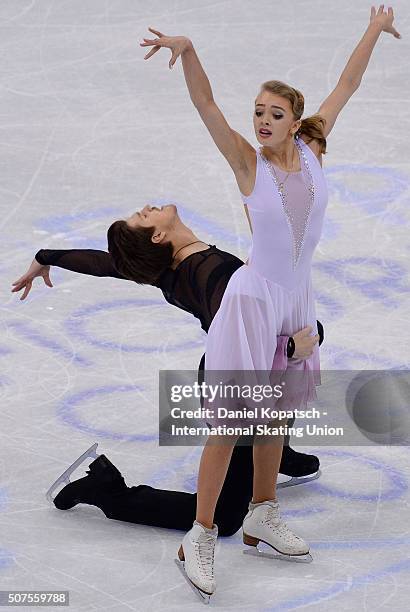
x=273, y=294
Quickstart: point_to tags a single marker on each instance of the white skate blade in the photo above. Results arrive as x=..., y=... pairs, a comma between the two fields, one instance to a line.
x=65, y=476
x=292, y=481
x=264, y=550
x=204, y=597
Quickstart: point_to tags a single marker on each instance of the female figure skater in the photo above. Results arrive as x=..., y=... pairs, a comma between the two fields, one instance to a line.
x=283, y=187
x=154, y=247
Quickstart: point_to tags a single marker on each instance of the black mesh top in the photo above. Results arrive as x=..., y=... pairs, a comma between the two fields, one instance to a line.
x=196, y=285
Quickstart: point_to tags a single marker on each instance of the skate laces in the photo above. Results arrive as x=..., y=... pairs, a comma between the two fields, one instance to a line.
x=204, y=547
x=273, y=521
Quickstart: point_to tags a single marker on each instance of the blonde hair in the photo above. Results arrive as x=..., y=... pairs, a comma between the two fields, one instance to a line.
x=311, y=126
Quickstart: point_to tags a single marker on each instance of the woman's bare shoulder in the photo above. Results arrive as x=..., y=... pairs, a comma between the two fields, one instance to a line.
x=313, y=145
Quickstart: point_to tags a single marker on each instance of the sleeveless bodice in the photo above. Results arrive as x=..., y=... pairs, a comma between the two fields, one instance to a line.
x=287, y=221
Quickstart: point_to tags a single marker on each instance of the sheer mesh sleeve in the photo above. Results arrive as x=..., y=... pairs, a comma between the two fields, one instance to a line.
x=85, y=261
x=196, y=286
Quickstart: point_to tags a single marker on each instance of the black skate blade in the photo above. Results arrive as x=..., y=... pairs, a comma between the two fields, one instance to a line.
x=65, y=476
x=297, y=480
x=266, y=551
x=204, y=597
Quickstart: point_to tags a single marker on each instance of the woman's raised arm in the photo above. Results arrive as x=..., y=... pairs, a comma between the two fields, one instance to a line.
x=231, y=144
x=351, y=76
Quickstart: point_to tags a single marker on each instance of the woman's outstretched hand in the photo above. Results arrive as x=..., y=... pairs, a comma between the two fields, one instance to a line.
x=26, y=281
x=385, y=20
x=177, y=44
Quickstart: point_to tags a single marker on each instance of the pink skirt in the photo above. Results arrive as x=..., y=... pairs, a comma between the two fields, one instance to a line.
x=254, y=317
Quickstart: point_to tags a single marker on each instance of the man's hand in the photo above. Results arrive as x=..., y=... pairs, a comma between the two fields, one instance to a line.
x=304, y=343
x=26, y=280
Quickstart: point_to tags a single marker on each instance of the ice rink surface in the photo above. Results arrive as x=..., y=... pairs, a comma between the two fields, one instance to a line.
x=90, y=133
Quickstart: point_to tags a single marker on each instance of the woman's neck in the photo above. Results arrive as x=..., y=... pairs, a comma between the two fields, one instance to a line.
x=283, y=155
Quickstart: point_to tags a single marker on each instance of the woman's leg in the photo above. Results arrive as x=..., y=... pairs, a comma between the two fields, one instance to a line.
x=267, y=455
x=236, y=493
x=212, y=472
x=263, y=521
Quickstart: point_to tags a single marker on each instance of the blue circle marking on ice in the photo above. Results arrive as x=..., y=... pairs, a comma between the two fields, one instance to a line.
x=397, y=480
x=167, y=472
x=388, y=277
x=362, y=544
x=37, y=337
x=190, y=483
x=393, y=184
x=302, y=512
x=3, y=499
x=6, y=559
x=76, y=325
x=67, y=412
x=331, y=229
x=71, y=222
x=339, y=357
x=334, y=309
x=349, y=583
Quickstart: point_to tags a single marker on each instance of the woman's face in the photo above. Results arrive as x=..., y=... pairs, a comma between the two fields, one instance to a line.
x=161, y=219
x=273, y=119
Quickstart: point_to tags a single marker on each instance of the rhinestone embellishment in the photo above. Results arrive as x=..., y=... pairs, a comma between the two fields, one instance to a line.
x=298, y=235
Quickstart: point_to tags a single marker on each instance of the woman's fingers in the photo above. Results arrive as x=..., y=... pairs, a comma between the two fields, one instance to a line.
x=156, y=32
x=157, y=42
x=150, y=43
x=392, y=30
x=381, y=8
x=151, y=53
x=174, y=58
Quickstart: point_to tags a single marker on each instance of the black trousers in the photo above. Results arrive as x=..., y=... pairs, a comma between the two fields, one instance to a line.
x=146, y=505
x=176, y=509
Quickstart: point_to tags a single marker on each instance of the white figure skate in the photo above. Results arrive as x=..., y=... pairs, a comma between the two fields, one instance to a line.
x=196, y=560
x=264, y=524
x=64, y=479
